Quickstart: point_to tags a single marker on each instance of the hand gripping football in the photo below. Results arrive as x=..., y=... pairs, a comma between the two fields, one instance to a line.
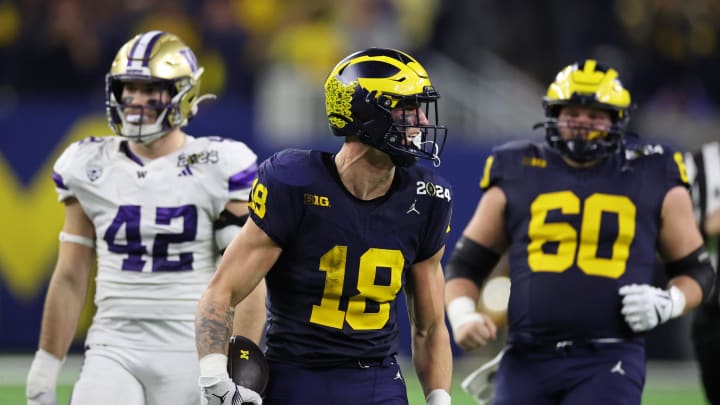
x=247, y=365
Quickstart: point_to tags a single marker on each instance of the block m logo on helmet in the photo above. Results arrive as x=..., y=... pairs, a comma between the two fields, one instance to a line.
x=384, y=97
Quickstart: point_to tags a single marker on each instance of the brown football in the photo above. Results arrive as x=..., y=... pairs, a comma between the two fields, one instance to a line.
x=247, y=365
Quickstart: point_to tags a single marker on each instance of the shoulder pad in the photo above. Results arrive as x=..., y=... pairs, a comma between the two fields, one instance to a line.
x=508, y=160
x=292, y=167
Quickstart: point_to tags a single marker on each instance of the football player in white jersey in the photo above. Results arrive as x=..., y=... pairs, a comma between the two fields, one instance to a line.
x=156, y=206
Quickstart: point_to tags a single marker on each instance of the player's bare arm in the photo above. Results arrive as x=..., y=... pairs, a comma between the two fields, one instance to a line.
x=63, y=304
x=432, y=355
x=69, y=283
x=249, y=317
x=245, y=262
x=487, y=229
x=712, y=223
x=679, y=237
x=686, y=263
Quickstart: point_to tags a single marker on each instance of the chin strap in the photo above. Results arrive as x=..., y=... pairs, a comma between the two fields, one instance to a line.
x=436, y=153
x=196, y=103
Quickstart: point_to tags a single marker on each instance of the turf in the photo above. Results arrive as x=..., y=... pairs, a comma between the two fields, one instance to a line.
x=15, y=395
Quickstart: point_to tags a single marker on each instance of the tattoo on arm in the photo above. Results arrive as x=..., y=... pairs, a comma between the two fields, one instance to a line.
x=212, y=328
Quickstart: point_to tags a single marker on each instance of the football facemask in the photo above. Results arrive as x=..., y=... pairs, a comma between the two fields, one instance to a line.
x=588, y=84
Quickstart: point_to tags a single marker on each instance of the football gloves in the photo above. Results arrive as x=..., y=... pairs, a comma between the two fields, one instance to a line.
x=42, y=379
x=645, y=307
x=217, y=388
x=480, y=384
x=222, y=391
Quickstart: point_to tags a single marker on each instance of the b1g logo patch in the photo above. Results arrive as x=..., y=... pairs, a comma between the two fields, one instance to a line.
x=433, y=190
x=320, y=201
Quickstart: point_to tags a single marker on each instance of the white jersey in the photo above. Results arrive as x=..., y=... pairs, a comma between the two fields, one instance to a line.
x=153, y=220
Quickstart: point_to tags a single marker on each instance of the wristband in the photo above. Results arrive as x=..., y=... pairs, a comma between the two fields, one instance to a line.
x=213, y=369
x=438, y=397
x=678, y=302
x=46, y=368
x=462, y=310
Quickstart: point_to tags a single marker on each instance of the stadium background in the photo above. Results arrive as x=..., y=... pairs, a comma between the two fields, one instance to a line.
x=266, y=61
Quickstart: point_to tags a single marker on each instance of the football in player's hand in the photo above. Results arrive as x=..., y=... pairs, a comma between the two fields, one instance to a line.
x=247, y=365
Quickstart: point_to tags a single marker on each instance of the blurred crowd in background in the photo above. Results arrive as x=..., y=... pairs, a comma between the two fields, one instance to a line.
x=666, y=50
x=491, y=61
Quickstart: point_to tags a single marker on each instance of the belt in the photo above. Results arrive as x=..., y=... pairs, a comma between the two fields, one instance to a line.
x=528, y=343
x=386, y=361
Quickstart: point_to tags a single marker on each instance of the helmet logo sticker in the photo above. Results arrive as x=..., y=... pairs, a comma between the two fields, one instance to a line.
x=338, y=101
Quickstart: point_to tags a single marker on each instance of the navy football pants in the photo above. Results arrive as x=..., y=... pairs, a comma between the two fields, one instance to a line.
x=377, y=385
x=602, y=374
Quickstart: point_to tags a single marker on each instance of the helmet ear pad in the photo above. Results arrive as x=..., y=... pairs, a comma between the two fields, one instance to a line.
x=373, y=119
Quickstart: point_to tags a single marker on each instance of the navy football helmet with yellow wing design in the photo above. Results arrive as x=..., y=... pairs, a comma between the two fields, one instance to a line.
x=154, y=57
x=364, y=88
x=587, y=84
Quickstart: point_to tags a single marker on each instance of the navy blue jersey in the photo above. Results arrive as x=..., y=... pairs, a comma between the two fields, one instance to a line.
x=577, y=235
x=333, y=291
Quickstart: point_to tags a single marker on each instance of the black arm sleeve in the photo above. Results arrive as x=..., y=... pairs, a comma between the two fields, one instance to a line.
x=696, y=265
x=470, y=260
x=227, y=218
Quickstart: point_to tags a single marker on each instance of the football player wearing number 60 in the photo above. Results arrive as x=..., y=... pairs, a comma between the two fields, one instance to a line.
x=581, y=218
x=156, y=206
x=338, y=236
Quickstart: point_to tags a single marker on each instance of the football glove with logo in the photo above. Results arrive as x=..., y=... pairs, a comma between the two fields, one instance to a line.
x=645, y=306
x=216, y=386
x=218, y=391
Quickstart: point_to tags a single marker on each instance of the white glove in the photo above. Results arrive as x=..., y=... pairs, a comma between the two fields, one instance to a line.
x=438, y=397
x=216, y=386
x=645, y=306
x=217, y=391
x=42, y=379
x=480, y=384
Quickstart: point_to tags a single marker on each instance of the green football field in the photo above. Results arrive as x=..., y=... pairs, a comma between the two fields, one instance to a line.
x=668, y=383
x=15, y=394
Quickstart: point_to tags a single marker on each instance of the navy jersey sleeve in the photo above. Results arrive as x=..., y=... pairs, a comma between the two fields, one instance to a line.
x=492, y=171
x=439, y=222
x=505, y=162
x=276, y=197
x=675, y=171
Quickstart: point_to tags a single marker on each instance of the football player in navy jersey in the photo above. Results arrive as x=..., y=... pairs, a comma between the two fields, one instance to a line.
x=127, y=206
x=580, y=217
x=338, y=236
x=704, y=173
